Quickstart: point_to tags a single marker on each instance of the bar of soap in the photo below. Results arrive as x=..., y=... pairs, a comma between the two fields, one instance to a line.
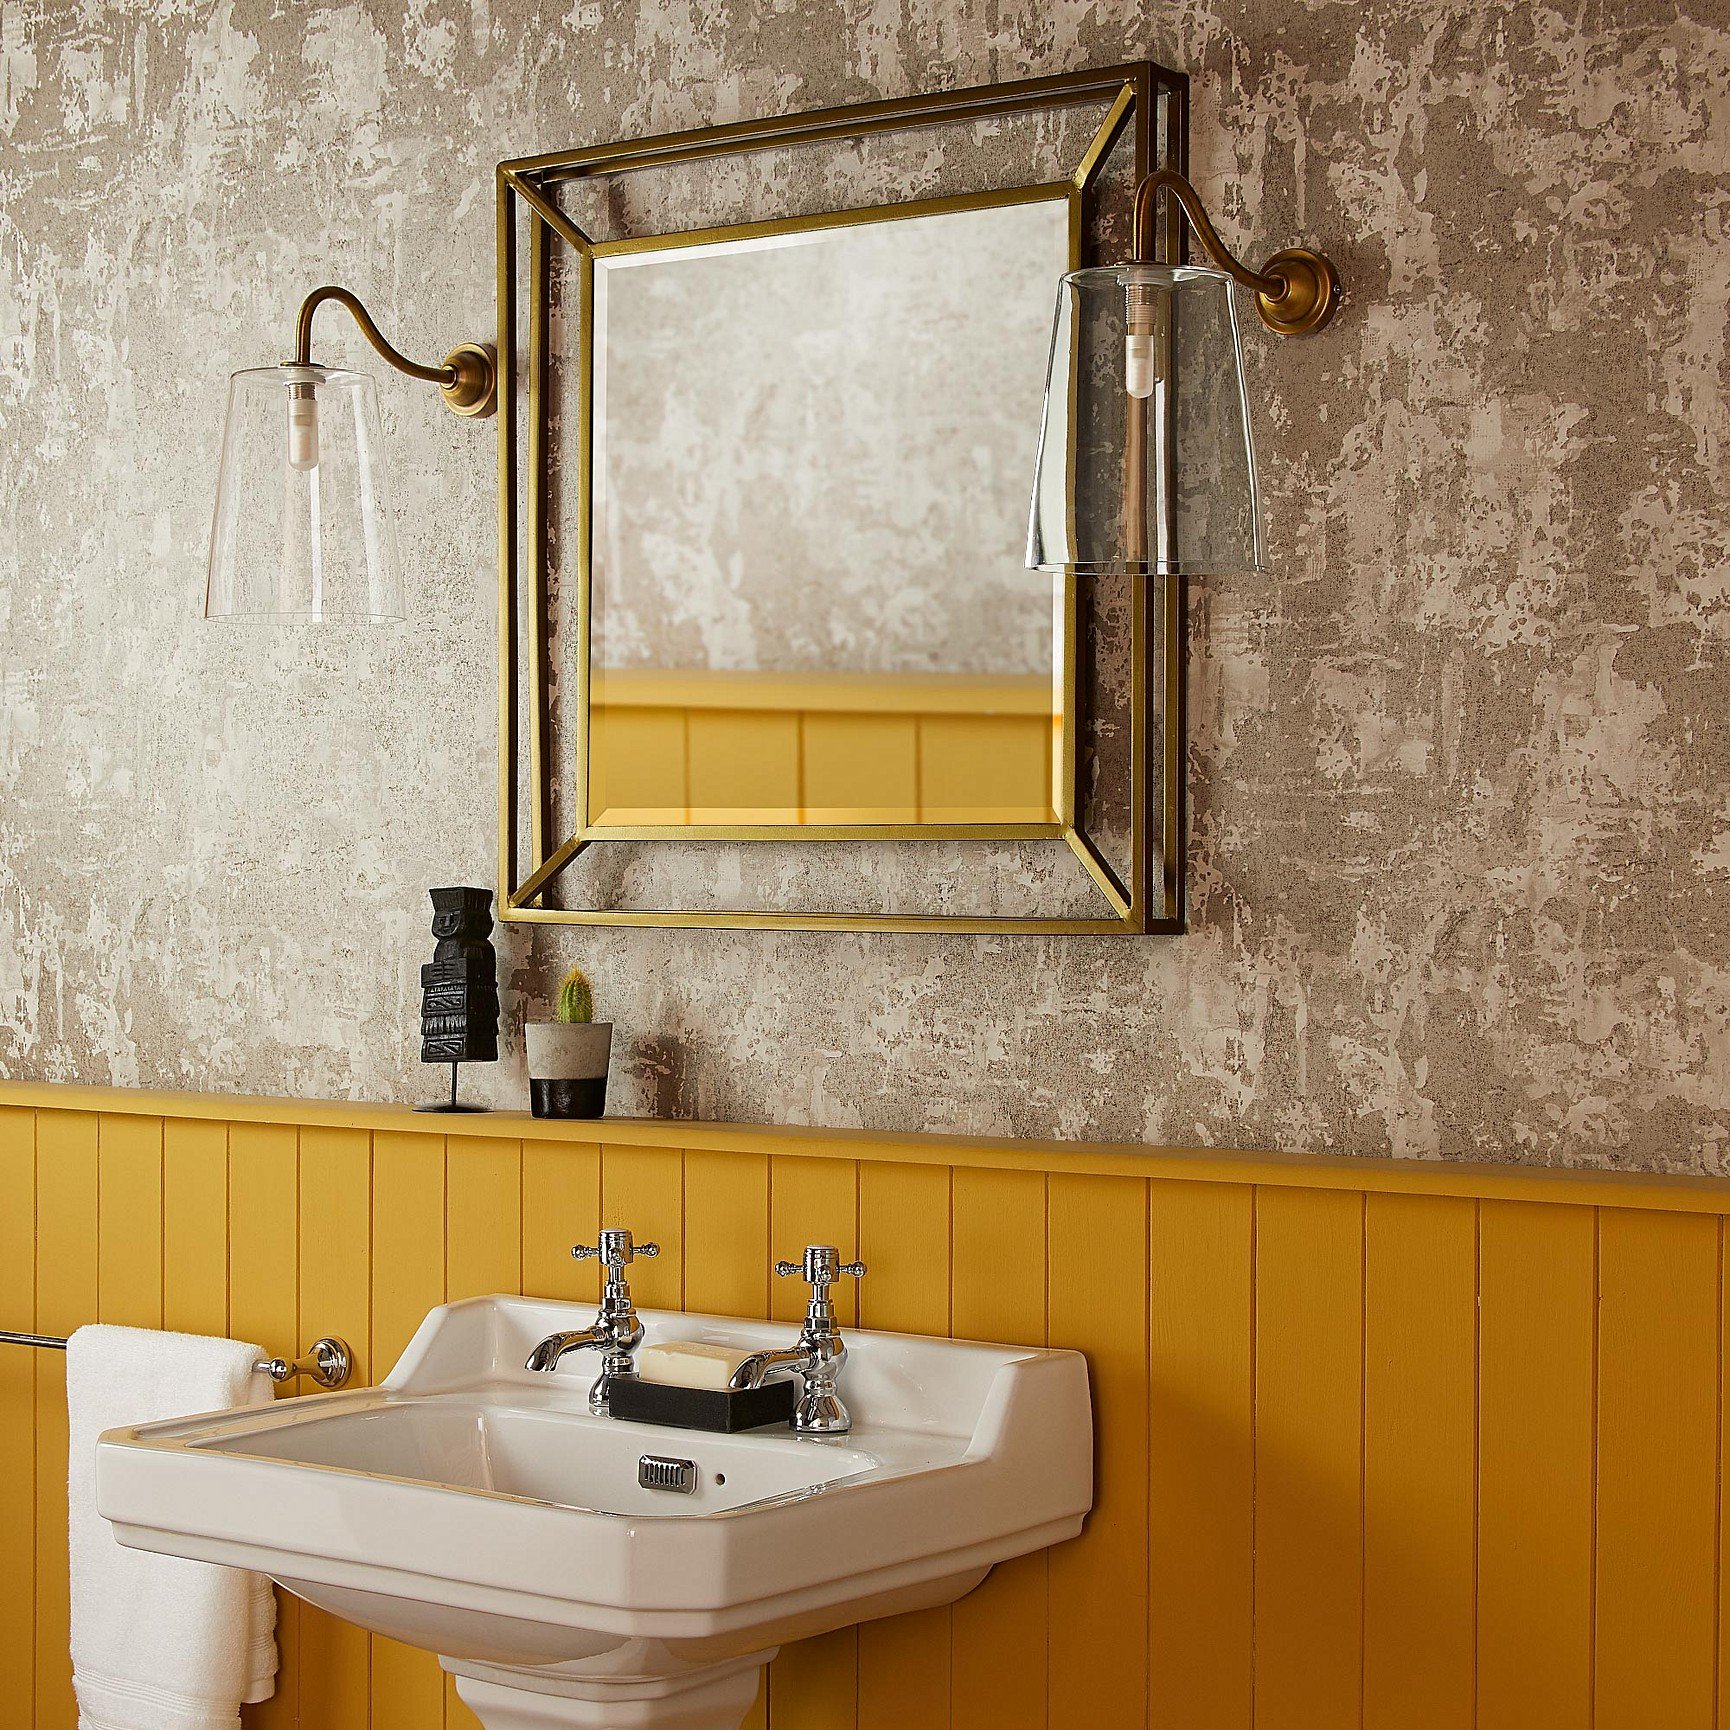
x=689, y=1364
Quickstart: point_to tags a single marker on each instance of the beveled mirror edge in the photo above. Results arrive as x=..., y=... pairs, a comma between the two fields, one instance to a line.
x=1152, y=901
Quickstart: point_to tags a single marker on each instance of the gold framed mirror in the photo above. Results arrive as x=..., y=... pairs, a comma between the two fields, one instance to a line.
x=762, y=580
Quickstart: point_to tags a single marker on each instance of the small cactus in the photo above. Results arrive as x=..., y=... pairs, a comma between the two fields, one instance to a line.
x=576, y=998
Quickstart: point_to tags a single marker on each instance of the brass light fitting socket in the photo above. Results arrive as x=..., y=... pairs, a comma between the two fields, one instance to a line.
x=1310, y=295
x=474, y=385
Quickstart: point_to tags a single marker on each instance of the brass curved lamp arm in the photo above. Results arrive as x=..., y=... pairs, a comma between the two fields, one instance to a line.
x=439, y=375
x=1297, y=291
x=467, y=377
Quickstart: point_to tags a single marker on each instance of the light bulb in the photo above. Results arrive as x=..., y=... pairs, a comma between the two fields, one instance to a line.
x=302, y=428
x=1140, y=364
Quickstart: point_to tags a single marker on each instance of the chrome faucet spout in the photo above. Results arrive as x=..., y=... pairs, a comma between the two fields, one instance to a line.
x=759, y=1366
x=547, y=1354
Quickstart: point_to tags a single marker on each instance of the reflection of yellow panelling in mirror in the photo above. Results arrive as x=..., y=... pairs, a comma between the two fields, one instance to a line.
x=639, y=750
x=692, y=747
x=984, y=769
x=859, y=768
x=743, y=762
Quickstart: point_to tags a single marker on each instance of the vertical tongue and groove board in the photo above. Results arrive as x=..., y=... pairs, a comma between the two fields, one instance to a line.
x=264, y=1227
x=1001, y=1665
x=408, y=1279
x=904, y=1241
x=18, y=1404
x=1201, y=1465
x=66, y=1298
x=1659, y=1315
x=336, y=1298
x=1536, y=1336
x=1308, y=1458
x=814, y=1684
x=1420, y=1458
x=484, y=1192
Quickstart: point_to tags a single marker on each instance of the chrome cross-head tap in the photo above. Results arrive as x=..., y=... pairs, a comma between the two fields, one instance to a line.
x=820, y=1352
x=616, y=1331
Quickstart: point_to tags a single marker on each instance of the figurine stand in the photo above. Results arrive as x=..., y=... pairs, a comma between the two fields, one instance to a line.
x=459, y=988
x=453, y=1104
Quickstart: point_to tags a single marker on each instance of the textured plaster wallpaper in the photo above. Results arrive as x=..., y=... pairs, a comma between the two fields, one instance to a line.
x=1461, y=835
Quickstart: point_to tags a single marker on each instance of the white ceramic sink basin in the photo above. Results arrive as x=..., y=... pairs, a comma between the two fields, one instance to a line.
x=479, y=1509
x=528, y=1450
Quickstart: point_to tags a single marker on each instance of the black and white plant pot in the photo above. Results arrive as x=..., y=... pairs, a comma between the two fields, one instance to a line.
x=568, y=1067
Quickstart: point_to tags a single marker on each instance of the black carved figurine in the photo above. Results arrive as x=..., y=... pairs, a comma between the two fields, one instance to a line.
x=459, y=987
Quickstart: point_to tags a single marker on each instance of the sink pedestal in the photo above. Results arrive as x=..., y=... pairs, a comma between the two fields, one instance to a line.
x=716, y=1697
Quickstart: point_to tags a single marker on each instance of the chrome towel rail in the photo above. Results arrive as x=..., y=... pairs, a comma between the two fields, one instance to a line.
x=328, y=1361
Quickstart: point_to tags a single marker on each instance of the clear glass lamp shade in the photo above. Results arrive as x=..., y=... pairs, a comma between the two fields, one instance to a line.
x=303, y=528
x=1146, y=464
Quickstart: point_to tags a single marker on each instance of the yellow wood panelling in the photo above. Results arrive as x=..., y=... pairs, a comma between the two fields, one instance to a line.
x=1308, y=1460
x=561, y=1208
x=1536, y=1346
x=408, y=1279
x=645, y=1193
x=336, y=1288
x=1420, y=1462
x=66, y=1298
x=904, y=1228
x=129, y=1221
x=1658, y=1397
x=18, y=1407
x=195, y=1226
x=1581, y=1187
x=1393, y=1454
x=264, y=1309
x=484, y=1190
x=1201, y=1456
x=814, y=1684
x=1098, y=1240
x=998, y=1665
x=727, y=1256
x=1723, y=1534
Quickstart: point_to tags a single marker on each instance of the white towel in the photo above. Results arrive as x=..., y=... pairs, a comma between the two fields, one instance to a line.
x=158, y=1642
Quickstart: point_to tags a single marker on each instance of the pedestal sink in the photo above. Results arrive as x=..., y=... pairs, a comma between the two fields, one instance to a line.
x=477, y=1509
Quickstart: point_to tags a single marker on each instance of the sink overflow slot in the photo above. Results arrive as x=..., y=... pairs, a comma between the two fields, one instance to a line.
x=662, y=1472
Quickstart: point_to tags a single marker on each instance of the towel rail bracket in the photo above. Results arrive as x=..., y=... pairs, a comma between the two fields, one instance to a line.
x=327, y=1361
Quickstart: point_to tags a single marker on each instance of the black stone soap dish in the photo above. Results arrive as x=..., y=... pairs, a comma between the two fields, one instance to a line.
x=720, y=1409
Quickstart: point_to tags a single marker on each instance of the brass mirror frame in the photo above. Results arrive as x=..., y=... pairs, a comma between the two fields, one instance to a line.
x=1148, y=902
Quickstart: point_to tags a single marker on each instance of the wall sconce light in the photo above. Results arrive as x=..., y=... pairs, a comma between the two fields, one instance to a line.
x=303, y=529
x=1108, y=498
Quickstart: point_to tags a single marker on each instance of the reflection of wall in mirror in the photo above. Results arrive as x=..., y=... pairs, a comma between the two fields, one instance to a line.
x=814, y=450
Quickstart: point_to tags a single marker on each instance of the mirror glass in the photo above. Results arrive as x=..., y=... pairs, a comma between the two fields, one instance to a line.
x=812, y=450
